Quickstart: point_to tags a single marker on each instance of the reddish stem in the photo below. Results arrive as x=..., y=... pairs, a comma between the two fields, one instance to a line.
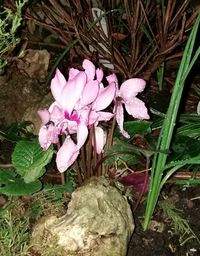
x=89, y=156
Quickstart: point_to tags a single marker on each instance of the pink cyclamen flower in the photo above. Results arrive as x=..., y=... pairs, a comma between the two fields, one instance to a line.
x=79, y=103
x=127, y=95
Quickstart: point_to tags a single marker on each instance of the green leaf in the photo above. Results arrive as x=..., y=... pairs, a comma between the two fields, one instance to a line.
x=135, y=127
x=10, y=185
x=126, y=152
x=184, y=147
x=59, y=189
x=191, y=130
x=30, y=160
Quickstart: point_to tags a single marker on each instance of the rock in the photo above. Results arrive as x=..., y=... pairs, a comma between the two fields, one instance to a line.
x=98, y=222
x=17, y=93
x=23, y=90
x=35, y=64
x=31, y=112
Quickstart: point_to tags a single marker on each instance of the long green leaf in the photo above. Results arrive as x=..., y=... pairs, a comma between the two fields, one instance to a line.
x=169, y=123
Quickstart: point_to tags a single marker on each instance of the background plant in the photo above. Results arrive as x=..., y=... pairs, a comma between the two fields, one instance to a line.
x=142, y=34
x=158, y=177
x=10, y=22
x=14, y=232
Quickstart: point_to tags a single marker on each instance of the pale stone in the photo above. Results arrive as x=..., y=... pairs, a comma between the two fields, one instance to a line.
x=35, y=64
x=98, y=222
x=31, y=112
x=23, y=90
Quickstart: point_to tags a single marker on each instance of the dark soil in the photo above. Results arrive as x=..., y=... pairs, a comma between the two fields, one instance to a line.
x=152, y=242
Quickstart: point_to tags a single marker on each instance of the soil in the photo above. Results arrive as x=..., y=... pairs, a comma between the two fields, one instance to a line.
x=165, y=243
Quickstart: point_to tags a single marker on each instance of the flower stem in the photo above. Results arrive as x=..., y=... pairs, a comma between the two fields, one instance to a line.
x=78, y=172
x=89, y=156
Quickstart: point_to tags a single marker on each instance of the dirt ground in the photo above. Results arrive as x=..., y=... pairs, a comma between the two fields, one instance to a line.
x=164, y=242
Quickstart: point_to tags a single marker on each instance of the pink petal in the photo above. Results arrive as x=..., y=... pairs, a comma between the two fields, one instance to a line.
x=66, y=155
x=53, y=133
x=72, y=73
x=120, y=120
x=56, y=114
x=136, y=108
x=112, y=78
x=104, y=116
x=57, y=84
x=44, y=115
x=84, y=114
x=89, y=69
x=131, y=87
x=47, y=135
x=100, y=137
x=71, y=127
x=99, y=74
x=43, y=138
x=72, y=92
x=90, y=92
x=93, y=117
x=82, y=133
x=105, y=97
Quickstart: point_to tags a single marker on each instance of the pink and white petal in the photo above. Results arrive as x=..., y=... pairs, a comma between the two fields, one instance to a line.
x=56, y=114
x=72, y=92
x=71, y=127
x=53, y=133
x=104, y=116
x=43, y=138
x=72, y=73
x=113, y=78
x=57, y=84
x=82, y=134
x=84, y=114
x=131, y=87
x=89, y=69
x=90, y=92
x=55, y=103
x=44, y=115
x=137, y=108
x=120, y=120
x=66, y=155
x=99, y=74
x=93, y=117
x=105, y=97
x=100, y=137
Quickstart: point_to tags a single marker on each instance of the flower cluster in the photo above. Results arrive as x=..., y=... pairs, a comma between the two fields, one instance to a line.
x=80, y=103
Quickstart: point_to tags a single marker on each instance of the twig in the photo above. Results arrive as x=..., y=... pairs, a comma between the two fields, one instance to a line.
x=6, y=165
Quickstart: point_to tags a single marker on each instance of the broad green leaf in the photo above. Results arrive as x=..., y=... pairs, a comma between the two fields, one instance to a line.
x=30, y=160
x=18, y=131
x=11, y=185
x=135, y=127
x=184, y=147
x=126, y=152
